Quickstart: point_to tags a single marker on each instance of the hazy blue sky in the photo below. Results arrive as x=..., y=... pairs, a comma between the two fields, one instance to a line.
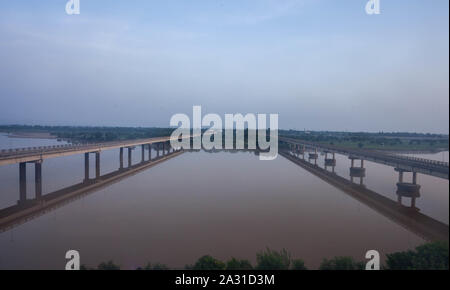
x=319, y=64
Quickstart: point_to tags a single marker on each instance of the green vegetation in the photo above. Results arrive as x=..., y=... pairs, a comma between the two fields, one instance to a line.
x=235, y=264
x=155, y=266
x=91, y=134
x=431, y=256
x=208, y=263
x=341, y=263
x=361, y=140
x=108, y=266
x=273, y=260
x=378, y=141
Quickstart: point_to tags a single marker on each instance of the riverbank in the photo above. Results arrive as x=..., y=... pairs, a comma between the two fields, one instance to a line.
x=30, y=135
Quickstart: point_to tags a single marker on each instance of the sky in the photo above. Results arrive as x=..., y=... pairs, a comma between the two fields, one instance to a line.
x=319, y=64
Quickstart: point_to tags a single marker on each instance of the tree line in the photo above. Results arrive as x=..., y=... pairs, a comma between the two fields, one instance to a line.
x=430, y=256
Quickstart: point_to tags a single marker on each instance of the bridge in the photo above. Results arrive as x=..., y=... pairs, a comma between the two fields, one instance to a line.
x=31, y=208
x=36, y=156
x=401, y=163
x=410, y=219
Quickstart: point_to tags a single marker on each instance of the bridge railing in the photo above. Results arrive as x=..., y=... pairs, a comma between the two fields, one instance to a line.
x=66, y=147
x=374, y=154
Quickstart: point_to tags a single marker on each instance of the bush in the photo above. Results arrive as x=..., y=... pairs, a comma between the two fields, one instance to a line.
x=273, y=260
x=298, y=264
x=235, y=264
x=341, y=263
x=156, y=266
x=208, y=263
x=108, y=266
x=431, y=256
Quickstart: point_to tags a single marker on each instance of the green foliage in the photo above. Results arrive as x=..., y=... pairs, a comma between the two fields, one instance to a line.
x=156, y=266
x=273, y=260
x=432, y=256
x=208, y=263
x=108, y=266
x=235, y=264
x=298, y=264
x=341, y=263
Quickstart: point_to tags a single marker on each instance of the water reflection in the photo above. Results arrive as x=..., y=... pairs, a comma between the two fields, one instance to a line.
x=224, y=204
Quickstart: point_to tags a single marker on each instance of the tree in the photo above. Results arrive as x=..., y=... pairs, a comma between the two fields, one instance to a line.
x=235, y=264
x=341, y=263
x=431, y=256
x=156, y=266
x=208, y=263
x=273, y=260
x=108, y=266
x=298, y=264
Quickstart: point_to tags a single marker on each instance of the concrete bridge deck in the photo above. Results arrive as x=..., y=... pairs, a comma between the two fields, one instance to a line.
x=12, y=156
x=412, y=164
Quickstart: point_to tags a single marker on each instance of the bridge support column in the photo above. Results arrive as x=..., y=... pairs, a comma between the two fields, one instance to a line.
x=121, y=158
x=23, y=182
x=38, y=179
x=358, y=172
x=142, y=153
x=149, y=152
x=97, y=165
x=130, y=161
x=405, y=189
x=86, y=167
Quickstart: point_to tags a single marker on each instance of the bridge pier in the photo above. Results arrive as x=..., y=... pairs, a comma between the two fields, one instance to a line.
x=130, y=160
x=143, y=153
x=406, y=189
x=97, y=165
x=314, y=156
x=157, y=150
x=149, y=146
x=38, y=179
x=86, y=167
x=23, y=181
x=121, y=158
x=330, y=161
x=358, y=172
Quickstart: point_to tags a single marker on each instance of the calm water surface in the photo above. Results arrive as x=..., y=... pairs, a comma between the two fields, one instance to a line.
x=223, y=204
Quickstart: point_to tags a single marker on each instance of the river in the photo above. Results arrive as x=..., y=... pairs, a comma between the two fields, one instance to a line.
x=223, y=204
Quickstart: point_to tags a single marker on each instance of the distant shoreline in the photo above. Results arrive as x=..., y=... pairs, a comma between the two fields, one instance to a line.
x=30, y=135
